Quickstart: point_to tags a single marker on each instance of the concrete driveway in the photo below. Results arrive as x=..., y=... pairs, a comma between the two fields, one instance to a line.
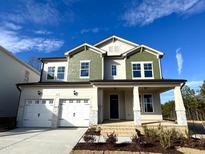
x=39, y=141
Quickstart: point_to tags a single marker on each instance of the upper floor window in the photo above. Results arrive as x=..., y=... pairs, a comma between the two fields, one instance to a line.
x=147, y=70
x=51, y=73
x=61, y=72
x=142, y=70
x=148, y=103
x=84, y=69
x=136, y=70
x=114, y=70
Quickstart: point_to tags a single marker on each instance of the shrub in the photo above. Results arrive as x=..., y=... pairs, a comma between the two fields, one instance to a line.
x=111, y=138
x=93, y=131
x=151, y=135
x=165, y=139
x=89, y=139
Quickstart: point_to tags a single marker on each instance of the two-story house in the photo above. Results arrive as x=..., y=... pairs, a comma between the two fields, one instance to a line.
x=114, y=79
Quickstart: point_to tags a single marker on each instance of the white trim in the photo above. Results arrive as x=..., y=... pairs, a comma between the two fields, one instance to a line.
x=85, y=44
x=160, y=68
x=84, y=77
x=115, y=70
x=150, y=50
x=152, y=102
x=117, y=38
x=142, y=69
x=103, y=71
x=118, y=95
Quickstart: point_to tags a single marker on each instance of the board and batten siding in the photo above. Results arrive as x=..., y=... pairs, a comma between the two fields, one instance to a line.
x=140, y=57
x=95, y=65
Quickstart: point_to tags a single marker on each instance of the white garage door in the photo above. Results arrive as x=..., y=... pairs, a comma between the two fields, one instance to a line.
x=38, y=113
x=74, y=113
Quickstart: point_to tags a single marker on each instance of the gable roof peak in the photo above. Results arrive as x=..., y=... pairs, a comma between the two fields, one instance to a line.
x=117, y=38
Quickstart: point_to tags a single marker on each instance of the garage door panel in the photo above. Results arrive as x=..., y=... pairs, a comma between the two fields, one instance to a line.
x=74, y=112
x=38, y=113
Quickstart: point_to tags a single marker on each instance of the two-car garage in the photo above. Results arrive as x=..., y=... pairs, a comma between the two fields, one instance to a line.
x=71, y=113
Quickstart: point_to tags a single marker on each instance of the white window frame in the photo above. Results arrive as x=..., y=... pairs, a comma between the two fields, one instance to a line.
x=144, y=102
x=142, y=69
x=132, y=70
x=60, y=73
x=85, y=77
x=115, y=69
x=53, y=73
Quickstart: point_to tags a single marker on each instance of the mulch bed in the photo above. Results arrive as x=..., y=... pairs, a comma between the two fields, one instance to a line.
x=125, y=147
x=153, y=148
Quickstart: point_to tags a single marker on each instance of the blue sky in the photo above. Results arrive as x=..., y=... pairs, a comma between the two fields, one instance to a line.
x=46, y=28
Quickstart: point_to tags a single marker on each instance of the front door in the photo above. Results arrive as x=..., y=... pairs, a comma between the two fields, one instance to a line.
x=114, y=112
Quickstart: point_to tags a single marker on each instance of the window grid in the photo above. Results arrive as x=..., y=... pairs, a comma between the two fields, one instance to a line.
x=51, y=73
x=114, y=70
x=136, y=70
x=61, y=73
x=148, y=103
x=84, y=69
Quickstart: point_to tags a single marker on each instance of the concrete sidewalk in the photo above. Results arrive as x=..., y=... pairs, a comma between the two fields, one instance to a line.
x=39, y=141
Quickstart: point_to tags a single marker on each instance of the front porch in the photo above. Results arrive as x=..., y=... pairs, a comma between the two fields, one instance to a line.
x=138, y=105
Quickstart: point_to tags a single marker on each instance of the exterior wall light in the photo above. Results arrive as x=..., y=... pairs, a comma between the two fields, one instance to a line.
x=75, y=93
x=39, y=92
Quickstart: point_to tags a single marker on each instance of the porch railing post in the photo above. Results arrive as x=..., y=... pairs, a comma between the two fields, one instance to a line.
x=179, y=107
x=136, y=106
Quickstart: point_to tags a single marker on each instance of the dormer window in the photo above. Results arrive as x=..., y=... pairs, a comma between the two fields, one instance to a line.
x=84, y=69
x=51, y=73
x=114, y=70
x=142, y=70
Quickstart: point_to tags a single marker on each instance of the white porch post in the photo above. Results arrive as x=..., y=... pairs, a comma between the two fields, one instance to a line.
x=136, y=106
x=94, y=108
x=179, y=107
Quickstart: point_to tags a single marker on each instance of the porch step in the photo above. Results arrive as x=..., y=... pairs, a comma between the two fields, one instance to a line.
x=120, y=130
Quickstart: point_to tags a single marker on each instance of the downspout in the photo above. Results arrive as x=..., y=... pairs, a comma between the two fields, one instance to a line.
x=182, y=85
x=42, y=68
x=18, y=102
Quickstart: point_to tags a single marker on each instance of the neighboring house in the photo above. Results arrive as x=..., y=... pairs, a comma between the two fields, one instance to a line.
x=114, y=79
x=13, y=71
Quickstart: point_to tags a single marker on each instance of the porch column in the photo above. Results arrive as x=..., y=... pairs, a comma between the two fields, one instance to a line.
x=94, y=107
x=136, y=106
x=179, y=107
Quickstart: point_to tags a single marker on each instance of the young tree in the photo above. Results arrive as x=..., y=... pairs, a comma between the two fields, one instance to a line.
x=202, y=90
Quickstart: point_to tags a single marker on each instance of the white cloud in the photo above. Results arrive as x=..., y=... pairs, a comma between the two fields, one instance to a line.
x=11, y=26
x=92, y=30
x=147, y=11
x=15, y=42
x=179, y=60
x=195, y=84
x=43, y=32
x=34, y=12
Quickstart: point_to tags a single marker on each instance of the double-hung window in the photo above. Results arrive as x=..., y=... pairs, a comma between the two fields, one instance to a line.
x=147, y=70
x=61, y=73
x=142, y=70
x=148, y=103
x=114, y=70
x=84, y=69
x=51, y=73
x=136, y=70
